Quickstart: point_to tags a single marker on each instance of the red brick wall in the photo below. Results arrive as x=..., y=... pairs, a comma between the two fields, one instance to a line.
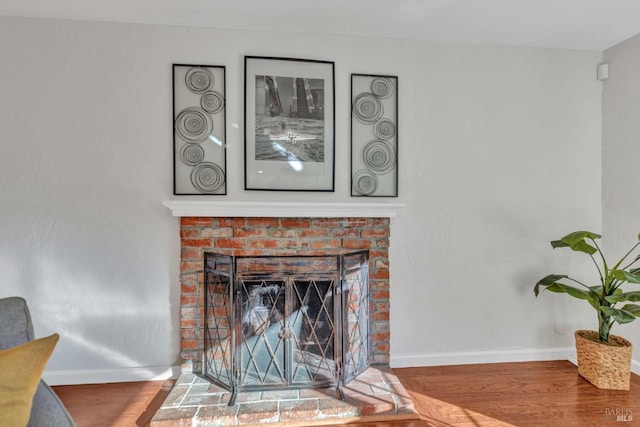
x=279, y=236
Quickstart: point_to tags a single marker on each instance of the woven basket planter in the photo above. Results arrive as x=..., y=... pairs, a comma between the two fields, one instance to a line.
x=606, y=366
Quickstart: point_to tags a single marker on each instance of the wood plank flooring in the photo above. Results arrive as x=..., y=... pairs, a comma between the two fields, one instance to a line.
x=114, y=405
x=507, y=394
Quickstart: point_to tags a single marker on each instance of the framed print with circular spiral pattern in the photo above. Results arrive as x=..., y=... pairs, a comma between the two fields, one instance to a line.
x=199, y=130
x=374, y=135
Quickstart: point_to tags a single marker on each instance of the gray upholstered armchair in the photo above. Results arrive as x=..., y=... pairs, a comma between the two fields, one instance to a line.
x=15, y=329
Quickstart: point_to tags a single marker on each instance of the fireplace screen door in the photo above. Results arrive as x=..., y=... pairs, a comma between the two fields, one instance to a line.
x=285, y=321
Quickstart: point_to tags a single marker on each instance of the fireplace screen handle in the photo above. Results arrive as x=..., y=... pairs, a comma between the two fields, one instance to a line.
x=285, y=333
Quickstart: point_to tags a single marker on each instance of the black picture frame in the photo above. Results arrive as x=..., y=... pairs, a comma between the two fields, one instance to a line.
x=289, y=140
x=374, y=135
x=199, y=130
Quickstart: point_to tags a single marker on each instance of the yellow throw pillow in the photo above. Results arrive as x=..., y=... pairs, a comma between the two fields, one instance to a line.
x=20, y=370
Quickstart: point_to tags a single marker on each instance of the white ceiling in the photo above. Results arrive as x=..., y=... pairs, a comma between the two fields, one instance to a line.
x=567, y=24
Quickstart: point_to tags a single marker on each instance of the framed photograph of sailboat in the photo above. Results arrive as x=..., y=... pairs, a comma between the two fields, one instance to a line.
x=289, y=124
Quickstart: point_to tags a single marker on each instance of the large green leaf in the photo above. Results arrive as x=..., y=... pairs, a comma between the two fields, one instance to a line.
x=548, y=280
x=620, y=316
x=575, y=237
x=624, y=296
x=584, y=247
x=576, y=242
x=580, y=246
x=574, y=292
x=632, y=308
x=635, y=273
x=627, y=276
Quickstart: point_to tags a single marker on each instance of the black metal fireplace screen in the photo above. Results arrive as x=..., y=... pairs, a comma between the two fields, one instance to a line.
x=274, y=322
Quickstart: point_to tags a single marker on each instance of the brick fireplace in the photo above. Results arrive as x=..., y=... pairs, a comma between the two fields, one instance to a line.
x=248, y=229
x=279, y=236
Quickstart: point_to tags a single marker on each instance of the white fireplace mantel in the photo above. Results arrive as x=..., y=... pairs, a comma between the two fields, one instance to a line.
x=282, y=209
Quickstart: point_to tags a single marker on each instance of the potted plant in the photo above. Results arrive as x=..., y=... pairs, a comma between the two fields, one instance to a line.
x=604, y=359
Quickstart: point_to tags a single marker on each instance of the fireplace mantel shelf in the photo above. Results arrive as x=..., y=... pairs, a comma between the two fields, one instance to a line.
x=282, y=209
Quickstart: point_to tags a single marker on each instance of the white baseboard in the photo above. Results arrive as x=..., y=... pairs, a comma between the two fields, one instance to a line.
x=475, y=357
x=159, y=373
x=504, y=356
x=121, y=375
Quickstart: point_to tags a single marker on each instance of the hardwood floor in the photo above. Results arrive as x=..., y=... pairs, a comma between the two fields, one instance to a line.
x=114, y=405
x=519, y=394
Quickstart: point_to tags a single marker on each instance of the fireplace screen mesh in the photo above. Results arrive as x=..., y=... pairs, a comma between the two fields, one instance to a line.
x=286, y=321
x=355, y=317
x=218, y=321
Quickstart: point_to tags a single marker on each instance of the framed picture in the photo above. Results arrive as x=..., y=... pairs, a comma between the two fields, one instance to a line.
x=374, y=135
x=199, y=130
x=289, y=126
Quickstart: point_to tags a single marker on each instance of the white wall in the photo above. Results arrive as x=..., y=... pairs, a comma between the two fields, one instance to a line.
x=491, y=177
x=492, y=144
x=621, y=140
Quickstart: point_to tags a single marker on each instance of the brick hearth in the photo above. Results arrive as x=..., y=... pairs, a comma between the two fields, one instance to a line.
x=376, y=394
